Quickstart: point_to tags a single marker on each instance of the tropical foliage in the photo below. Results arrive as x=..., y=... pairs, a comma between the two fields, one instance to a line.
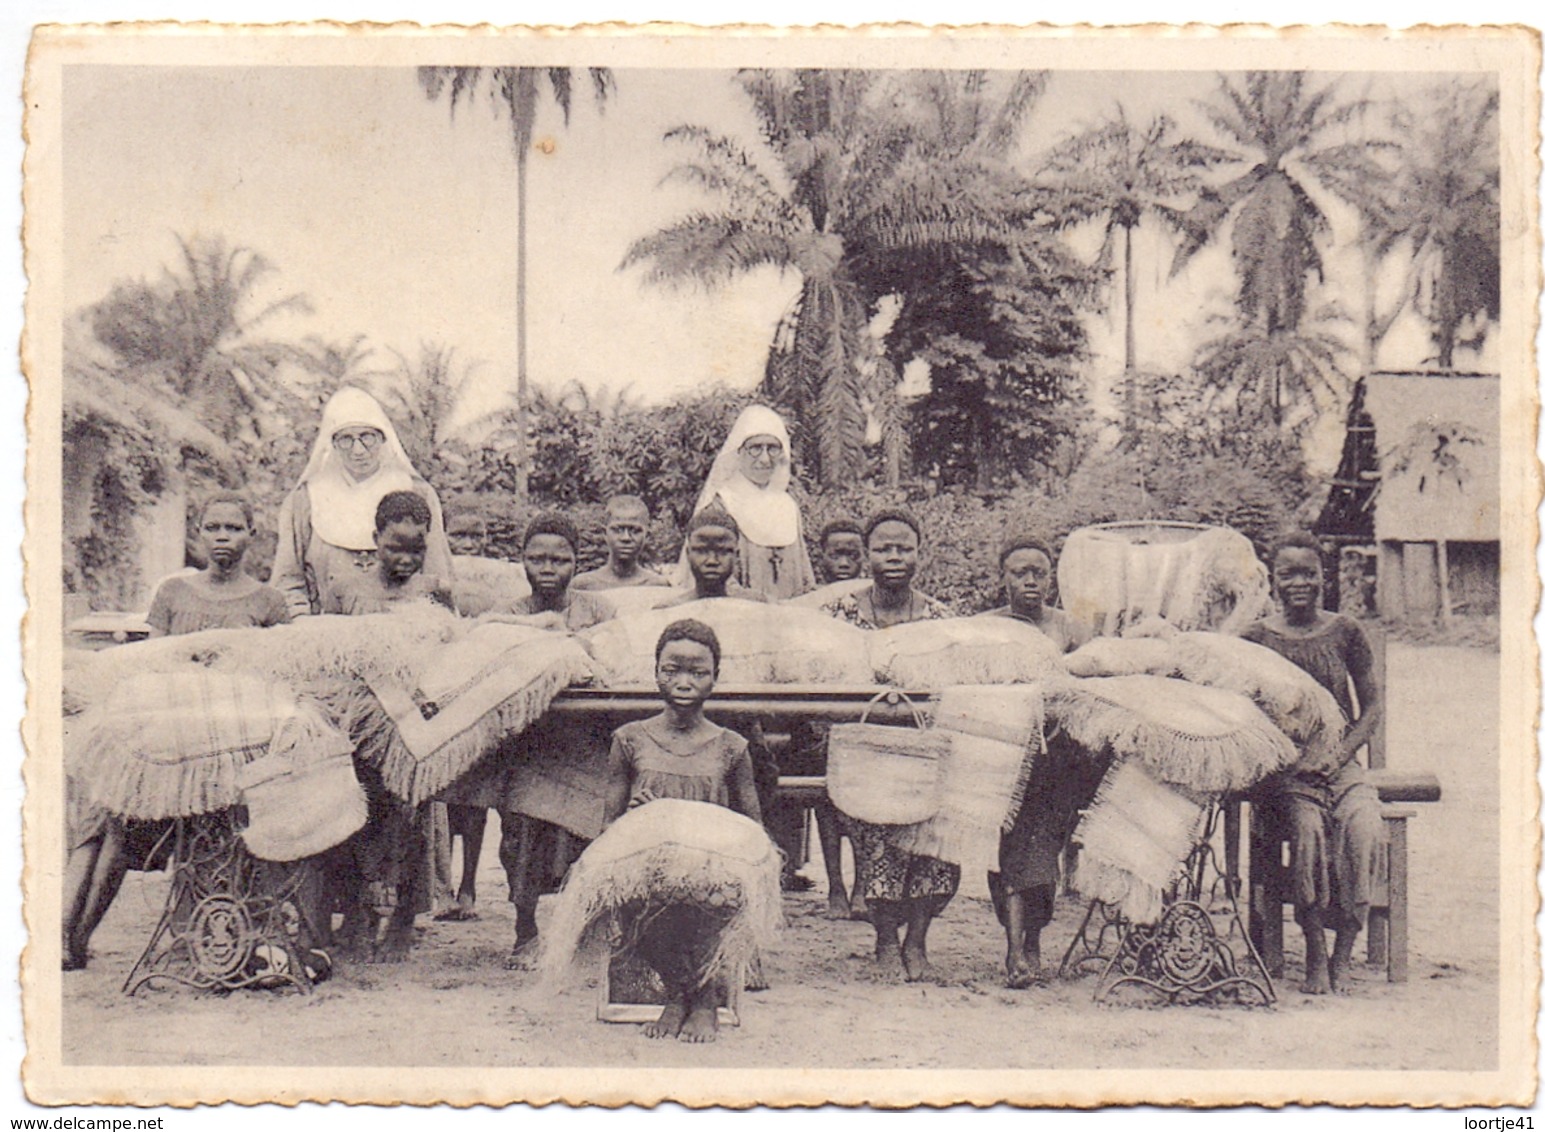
x=868, y=176
x=935, y=351
x=1444, y=211
x=516, y=92
x=1123, y=174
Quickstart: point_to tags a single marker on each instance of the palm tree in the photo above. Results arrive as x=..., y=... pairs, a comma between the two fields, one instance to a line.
x=1444, y=210
x=1125, y=174
x=518, y=91
x=1277, y=222
x=195, y=335
x=1266, y=374
x=865, y=167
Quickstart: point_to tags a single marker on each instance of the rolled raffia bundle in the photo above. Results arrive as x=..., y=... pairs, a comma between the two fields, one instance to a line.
x=962, y=650
x=669, y=852
x=302, y=796
x=1296, y=702
x=313, y=654
x=1203, y=739
x=1134, y=839
x=169, y=745
x=1194, y=576
x=761, y=643
x=482, y=585
x=1122, y=656
x=995, y=736
x=466, y=697
x=830, y=592
x=638, y=599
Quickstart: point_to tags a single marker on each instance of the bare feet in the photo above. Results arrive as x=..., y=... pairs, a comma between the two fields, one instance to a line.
x=1024, y=972
x=702, y=1025
x=522, y=954
x=860, y=909
x=460, y=912
x=395, y=946
x=1317, y=978
x=1340, y=978
x=1316, y=969
x=756, y=979
x=668, y=1025
x=914, y=959
x=837, y=907
x=887, y=956
x=1341, y=960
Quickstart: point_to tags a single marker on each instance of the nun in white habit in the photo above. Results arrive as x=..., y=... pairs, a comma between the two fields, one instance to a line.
x=327, y=524
x=750, y=480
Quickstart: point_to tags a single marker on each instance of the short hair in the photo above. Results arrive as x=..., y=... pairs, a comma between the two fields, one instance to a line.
x=234, y=500
x=1294, y=540
x=892, y=515
x=713, y=516
x=551, y=523
x=689, y=630
x=840, y=527
x=626, y=503
x=1024, y=541
x=402, y=506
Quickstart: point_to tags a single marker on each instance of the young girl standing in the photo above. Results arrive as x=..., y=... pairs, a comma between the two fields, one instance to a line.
x=680, y=754
x=221, y=596
x=1061, y=783
x=899, y=887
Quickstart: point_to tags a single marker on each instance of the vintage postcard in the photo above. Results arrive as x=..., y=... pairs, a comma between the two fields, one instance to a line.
x=778, y=567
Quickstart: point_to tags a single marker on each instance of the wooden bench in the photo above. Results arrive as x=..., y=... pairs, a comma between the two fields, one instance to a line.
x=1270, y=886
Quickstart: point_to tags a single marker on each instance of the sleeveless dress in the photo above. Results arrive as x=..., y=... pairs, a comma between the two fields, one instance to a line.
x=886, y=871
x=1333, y=824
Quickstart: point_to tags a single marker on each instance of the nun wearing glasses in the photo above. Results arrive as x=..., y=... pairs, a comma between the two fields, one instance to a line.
x=750, y=480
x=327, y=524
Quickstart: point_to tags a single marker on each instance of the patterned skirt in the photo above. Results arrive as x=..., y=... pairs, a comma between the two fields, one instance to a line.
x=891, y=873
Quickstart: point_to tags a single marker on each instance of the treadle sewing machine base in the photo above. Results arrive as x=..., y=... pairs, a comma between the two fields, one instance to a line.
x=1197, y=952
x=226, y=925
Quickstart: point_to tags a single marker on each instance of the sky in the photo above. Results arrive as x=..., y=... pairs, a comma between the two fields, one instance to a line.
x=397, y=220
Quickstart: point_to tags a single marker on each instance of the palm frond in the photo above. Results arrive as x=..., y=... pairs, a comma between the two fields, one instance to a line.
x=708, y=249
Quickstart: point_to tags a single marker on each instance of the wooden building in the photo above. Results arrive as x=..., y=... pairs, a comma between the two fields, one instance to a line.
x=1419, y=490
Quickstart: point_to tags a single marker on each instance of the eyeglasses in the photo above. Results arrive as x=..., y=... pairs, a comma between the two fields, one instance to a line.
x=369, y=441
x=762, y=451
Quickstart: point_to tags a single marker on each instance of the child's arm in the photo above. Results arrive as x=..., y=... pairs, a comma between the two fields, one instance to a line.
x=1370, y=693
x=743, y=797
x=619, y=779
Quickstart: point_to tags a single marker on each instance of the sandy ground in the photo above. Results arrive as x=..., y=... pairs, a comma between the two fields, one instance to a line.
x=453, y=1004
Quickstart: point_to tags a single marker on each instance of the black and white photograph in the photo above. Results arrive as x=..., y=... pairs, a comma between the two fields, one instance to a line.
x=596, y=567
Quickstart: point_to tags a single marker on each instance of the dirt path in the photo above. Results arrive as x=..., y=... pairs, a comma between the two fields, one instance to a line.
x=453, y=1004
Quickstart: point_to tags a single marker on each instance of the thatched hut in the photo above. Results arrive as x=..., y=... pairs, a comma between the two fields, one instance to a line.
x=1419, y=488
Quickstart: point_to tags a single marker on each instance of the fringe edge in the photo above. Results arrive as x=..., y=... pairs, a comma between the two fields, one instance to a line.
x=416, y=779
x=578, y=933
x=1213, y=765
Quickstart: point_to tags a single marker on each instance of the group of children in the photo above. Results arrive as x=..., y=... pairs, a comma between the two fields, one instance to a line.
x=680, y=754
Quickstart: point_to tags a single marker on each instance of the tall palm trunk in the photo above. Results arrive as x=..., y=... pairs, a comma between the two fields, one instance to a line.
x=522, y=463
x=1131, y=331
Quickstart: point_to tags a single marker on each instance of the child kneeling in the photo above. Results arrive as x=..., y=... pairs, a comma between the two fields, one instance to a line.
x=687, y=888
